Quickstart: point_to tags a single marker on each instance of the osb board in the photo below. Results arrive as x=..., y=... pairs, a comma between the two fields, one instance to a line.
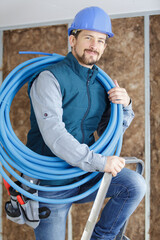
x=155, y=126
x=123, y=60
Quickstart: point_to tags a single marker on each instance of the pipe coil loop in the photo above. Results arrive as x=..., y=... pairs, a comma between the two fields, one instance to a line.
x=15, y=155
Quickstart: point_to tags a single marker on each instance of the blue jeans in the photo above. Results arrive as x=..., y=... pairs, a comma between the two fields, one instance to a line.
x=126, y=191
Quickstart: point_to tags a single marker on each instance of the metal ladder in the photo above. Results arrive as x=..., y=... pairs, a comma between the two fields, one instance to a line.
x=97, y=205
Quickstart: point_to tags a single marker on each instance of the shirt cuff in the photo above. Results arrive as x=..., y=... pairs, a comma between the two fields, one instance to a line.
x=129, y=107
x=100, y=165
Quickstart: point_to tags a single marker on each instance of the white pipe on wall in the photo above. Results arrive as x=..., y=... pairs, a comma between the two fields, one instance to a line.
x=147, y=124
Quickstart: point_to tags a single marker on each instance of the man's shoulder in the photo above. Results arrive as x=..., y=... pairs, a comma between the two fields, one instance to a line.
x=57, y=67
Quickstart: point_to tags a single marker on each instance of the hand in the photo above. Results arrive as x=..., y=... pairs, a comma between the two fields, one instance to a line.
x=114, y=165
x=119, y=95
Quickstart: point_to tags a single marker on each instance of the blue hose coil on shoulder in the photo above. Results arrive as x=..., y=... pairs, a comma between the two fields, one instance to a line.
x=15, y=155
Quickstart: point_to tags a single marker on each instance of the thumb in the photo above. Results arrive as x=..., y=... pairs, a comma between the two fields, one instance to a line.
x=116, y=83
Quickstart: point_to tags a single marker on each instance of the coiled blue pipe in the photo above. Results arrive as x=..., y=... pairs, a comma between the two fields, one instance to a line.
x=15, y=155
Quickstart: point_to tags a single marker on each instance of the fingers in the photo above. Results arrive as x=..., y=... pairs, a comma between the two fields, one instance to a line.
x=118, y=95
x=116, y=83
x=117, y=169
x=114, y=165
x=119, y=165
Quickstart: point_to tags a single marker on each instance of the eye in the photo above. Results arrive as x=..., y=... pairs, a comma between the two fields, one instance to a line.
x=101, y=41
x=88, y=37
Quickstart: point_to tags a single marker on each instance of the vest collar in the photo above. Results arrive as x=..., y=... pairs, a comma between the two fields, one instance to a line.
x=81, y=71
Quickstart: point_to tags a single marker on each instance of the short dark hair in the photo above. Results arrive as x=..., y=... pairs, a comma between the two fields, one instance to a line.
x=75, y=33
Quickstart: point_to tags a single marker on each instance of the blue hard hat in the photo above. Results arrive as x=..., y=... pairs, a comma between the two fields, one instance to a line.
x=94, y=19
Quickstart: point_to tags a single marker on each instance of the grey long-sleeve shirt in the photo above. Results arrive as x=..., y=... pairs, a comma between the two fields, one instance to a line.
x=46, y=98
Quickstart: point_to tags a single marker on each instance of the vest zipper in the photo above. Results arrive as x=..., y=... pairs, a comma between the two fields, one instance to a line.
x=88, y=108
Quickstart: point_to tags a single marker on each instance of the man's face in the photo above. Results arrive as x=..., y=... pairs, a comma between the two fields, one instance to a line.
x=88, y=47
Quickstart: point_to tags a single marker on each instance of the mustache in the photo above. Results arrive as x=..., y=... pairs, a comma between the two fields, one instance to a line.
x=90, y=50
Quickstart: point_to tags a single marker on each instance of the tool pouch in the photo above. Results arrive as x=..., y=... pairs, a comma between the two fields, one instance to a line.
x=26, y=211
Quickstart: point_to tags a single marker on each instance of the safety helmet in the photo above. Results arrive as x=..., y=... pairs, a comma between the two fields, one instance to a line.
x=93, y=19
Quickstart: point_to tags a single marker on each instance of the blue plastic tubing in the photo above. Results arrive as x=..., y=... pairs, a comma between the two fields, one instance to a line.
x=15, y=155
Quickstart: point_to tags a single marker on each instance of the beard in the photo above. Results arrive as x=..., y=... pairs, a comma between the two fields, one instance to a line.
x=87, y=60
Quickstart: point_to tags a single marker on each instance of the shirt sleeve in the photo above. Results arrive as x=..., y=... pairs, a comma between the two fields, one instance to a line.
x=128, y=116
x=46, y=99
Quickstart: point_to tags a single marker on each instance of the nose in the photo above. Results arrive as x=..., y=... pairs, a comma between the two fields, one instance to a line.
x=93, y=44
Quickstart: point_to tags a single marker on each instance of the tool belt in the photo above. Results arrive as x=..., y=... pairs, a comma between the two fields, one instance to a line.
x=23, y=210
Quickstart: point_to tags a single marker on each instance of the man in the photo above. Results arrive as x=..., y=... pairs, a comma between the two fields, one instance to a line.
x=68, y=105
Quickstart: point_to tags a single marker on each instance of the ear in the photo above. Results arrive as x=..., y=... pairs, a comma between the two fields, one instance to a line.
x=105, y=46
x=72, y=40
